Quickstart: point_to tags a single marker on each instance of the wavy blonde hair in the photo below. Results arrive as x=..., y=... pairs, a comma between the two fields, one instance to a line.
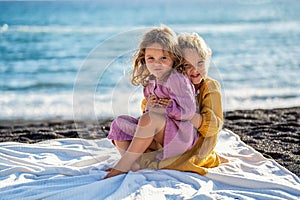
x=194, y=41
x=165, y=37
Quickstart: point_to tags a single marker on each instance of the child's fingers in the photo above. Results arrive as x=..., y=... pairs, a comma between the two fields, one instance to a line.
x=151, y=96
x=164, y=102
x=152, y=101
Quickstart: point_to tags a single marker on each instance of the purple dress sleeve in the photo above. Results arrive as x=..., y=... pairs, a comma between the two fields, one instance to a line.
x=183, y=105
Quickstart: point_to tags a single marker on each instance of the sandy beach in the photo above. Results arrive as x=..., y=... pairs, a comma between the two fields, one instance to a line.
x=273, y=132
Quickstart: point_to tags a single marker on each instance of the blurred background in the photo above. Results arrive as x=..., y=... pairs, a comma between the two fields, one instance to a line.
x=46, y=48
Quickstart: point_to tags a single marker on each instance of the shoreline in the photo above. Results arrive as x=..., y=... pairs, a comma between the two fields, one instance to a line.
x=273, y=132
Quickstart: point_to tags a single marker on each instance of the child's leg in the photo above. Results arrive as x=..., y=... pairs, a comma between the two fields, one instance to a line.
x=149, y=124
x=121, y=132
x=122, y=145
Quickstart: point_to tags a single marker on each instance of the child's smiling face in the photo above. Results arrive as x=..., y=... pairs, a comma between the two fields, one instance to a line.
x=194, y=65
x=158, y=61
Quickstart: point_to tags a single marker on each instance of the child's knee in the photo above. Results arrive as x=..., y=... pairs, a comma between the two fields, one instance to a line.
x=144, y=120
x=152, y=119
x=158, y=119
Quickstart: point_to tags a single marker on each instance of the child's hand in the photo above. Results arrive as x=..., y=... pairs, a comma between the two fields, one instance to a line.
x=164, y=102
x=152, y=101
x=196, y=120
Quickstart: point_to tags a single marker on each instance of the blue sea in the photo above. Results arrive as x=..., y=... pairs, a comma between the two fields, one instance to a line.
x=72, y=59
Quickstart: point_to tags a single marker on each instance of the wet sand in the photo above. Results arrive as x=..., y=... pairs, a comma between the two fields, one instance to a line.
x=273, y=132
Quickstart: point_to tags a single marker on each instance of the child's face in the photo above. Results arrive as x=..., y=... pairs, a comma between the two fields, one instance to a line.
x=194, y=65
x=158, y=61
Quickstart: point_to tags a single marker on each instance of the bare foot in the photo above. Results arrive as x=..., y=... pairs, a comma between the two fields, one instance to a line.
x=135, y=167
x=114, y=172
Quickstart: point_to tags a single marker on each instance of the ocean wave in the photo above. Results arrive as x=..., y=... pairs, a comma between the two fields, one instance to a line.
x=275, y=26
x=278, y=26
x=35, y=70
x=69, y=29
x=85, y=105
x=35, y=105
x=251, y=98
x=37, y=86
x=66, y=105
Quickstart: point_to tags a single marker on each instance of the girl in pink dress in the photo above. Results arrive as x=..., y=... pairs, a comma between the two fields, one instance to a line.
x=157, y=67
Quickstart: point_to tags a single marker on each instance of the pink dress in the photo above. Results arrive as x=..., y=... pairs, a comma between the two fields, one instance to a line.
x=180, y=135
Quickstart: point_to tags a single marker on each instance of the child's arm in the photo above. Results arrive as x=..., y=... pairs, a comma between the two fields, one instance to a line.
x=210, y=109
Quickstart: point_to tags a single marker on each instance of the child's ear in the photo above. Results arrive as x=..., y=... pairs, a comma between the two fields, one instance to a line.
x=181, y=70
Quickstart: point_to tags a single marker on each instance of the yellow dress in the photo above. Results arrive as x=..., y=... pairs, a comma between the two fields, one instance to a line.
x=202, y=154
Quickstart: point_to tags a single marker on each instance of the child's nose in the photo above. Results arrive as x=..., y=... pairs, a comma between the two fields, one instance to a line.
x=157, y=62
x=195, y=69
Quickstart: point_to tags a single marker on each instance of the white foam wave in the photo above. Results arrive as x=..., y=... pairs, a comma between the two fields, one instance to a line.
x=92, y=106
x=203, y=28
x=251, y=98
x=240, y=27
x=70, y=29
x=35, y=106
x=46, y=106
x=4, y=28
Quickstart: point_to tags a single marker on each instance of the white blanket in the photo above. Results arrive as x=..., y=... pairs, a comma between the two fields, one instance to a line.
x=74, y=169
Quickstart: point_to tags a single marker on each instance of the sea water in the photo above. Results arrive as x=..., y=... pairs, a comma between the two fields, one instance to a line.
x=72, y=59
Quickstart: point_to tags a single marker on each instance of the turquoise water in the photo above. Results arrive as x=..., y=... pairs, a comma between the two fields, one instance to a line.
x=72, y=58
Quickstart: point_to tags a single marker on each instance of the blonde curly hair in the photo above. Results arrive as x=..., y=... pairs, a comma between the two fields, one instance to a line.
x=194, y=41
x=165, y=37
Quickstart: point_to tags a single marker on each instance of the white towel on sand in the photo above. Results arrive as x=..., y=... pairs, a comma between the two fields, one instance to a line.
x=74, y=169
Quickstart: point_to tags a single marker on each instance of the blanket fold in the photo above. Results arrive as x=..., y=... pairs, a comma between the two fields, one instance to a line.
x=74, y=169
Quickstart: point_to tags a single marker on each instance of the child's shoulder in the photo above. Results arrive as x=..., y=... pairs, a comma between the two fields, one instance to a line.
x=210, y=83
x=210, y=80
